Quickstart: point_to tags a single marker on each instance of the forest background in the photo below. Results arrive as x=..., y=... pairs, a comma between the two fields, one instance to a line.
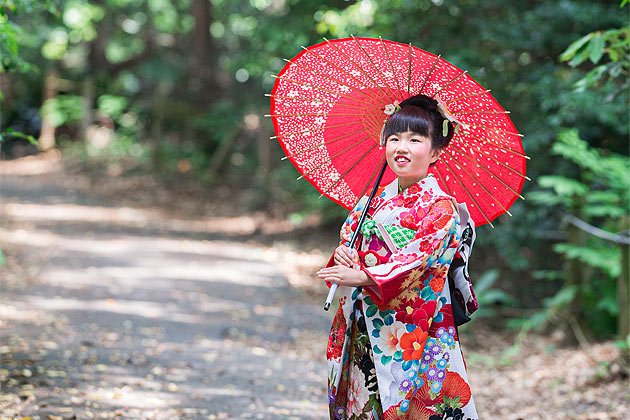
x=175, y=88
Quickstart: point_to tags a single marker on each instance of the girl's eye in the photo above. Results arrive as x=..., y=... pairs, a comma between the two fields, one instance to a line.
x=393, y=139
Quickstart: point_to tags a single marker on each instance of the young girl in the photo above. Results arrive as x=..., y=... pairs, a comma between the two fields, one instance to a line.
x=393, y=350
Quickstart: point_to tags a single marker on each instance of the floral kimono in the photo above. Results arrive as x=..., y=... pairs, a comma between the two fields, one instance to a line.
x=393, y=350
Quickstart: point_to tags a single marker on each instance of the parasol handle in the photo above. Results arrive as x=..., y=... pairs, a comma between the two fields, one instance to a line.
x=333, y=286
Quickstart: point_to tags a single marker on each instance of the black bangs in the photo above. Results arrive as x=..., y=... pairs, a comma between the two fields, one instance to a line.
x=410, y=118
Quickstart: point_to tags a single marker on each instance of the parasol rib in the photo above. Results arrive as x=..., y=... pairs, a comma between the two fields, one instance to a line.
x=391, y=65
x=468, y=192
x=324, y=90
x=297, y=98
x=312, y=114
x=325, y=60
x=480, y=112
x=317, y=73
x=332, y=157
x=467, y=96
x=507, y=166
x=495, y=128
x=449, y=83
x=357, y=66
x=328, y=62
x=380, y=164
x=487, y=170
x=378, y=71
x=497, y=145
x=437, y=171
x=428, y=75
x=322, y=144
x=348, y=170
x=479, y=182
x=409, y=74
x=310, y=130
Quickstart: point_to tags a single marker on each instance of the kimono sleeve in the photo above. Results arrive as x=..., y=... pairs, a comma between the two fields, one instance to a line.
x=349, y=226
x=433, y=238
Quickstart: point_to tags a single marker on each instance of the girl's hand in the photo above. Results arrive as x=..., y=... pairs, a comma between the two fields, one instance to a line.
x=345, y=256
x=345, y=276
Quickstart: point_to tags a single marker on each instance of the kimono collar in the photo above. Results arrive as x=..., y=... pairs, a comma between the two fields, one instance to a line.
x=428, y=182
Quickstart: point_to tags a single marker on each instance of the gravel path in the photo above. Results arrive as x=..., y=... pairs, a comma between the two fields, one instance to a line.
x=109, y=313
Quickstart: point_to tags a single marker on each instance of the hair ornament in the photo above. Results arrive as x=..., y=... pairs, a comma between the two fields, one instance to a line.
x=448, y=117
x=391, y=109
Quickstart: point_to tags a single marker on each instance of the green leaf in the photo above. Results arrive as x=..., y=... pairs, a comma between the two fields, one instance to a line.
x=494, y=296
x=16, y=134
x=546, y=198
x=486, y=280
x=563, y=186
x=611, y=211
x=606, y=258
x=562, y=298
x=613, y=54
x=575, y=46
x=581, y=56
x=371, y=310
x=597, y=48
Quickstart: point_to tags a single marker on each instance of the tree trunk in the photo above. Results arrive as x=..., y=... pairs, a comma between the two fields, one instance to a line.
x=265, y=165
x=46, y=139
x=574, y=278
x=202, y=68
x=623, y=286
x=623, y=323
x=87, y=101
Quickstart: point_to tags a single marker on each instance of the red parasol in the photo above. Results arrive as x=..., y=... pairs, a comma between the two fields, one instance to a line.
x=327, y=109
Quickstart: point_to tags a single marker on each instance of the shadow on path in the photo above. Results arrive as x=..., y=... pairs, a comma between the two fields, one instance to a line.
x=108, y=313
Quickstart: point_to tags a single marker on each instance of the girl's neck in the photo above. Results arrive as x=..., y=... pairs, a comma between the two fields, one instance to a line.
x=404, y=183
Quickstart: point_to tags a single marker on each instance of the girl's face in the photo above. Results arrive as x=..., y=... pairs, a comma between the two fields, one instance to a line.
x=409, y=155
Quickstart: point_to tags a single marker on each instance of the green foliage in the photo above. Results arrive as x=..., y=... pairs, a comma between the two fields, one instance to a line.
x=11, y=133
x=602, y=188
x=615, y=43
x=601, y=255
x=601, y=194
x=63, y=109
x=489, y=297
x=12, y=35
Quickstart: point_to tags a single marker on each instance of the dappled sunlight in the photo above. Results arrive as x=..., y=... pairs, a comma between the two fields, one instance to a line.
x=131, y=397
x=130, y=217
x=149, y=261
x=119, y=306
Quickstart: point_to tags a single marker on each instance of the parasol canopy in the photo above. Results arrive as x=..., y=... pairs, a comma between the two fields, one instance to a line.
x=327, y=108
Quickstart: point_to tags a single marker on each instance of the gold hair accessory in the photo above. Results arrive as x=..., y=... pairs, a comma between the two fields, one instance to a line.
x=448, y=117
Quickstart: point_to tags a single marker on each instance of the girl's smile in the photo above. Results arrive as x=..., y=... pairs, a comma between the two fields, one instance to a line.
x=409, y=155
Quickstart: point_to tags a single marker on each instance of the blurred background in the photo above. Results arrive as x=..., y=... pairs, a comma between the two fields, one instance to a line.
x=160, y=103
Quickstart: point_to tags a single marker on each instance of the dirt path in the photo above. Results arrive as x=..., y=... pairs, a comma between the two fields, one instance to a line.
x=113, y=308
x=115, y=314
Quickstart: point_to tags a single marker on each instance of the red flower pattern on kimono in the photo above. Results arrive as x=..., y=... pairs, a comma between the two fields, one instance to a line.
x=418, y=315
x=336, y=337
x=413, y=344
x=411, y=219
